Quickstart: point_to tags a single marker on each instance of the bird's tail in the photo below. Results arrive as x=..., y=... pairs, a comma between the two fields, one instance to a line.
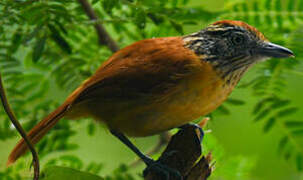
x=37, y=132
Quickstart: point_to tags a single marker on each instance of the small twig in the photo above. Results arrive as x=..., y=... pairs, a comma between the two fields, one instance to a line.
x=104, y=37
x=21, y=131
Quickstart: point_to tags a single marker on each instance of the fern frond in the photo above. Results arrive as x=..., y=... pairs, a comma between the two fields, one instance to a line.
x=274, y=109
x=275, y=14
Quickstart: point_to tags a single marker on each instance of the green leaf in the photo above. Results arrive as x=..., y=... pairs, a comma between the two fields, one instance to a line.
x=291, y=5
x=278, y=5
x=262, y=114
x=268, y=4
x=174, y=3
x=140, y=18
x=245, y=8
x=60, y=25
x=38, y=48
x=283, y=143
x=280, y=103
x=60, y=41
x=157, y=19
x=223, y=110
x=291, y=8
x=235, y=101
x=300, y=5
x=293, y=124
x=94, y=167
x=108, y=5
x=190, y=23
x=287, y=112
x=178, y=27
x=95, y=1
x=256, y=9
x=298, y=132
x=259, y=106
x=91, y=128
x=185, y=2
x=33, y=14
x=299, y=162
x=33, y=34
x=73, y=160
x=268, y=19
x=269, y=124
x=16, y=41
x=288, y=154
x=279, y=18
x=63, y=173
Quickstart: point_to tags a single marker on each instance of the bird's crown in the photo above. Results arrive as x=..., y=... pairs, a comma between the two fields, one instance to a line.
x=225, y=25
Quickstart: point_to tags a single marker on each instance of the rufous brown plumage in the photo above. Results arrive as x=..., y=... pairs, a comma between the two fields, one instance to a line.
x=158, y=84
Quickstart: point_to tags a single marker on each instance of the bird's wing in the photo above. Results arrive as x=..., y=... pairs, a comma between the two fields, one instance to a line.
x=148, y=67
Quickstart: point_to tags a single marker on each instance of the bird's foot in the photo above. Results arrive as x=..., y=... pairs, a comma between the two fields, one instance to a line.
x=162, y=170
x=195, y=126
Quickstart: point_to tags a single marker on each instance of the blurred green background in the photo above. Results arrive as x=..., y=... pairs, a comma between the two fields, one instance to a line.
x=48, y=47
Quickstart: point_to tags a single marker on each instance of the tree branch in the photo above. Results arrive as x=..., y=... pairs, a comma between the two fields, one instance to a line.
x=21, y=131
x=104, y=37
x=183, y=154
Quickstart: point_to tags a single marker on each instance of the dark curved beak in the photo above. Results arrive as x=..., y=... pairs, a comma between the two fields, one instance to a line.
x=273, y=50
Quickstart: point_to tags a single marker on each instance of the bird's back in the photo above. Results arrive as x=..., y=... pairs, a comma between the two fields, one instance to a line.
x=150, y=86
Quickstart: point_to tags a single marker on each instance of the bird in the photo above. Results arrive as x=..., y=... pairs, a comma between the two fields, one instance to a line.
x=158, y=84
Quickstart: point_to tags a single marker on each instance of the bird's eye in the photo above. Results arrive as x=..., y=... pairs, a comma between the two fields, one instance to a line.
x=237, y=38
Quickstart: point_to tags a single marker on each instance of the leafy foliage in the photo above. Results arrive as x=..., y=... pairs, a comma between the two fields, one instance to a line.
x=50, y=47
x=274, y=108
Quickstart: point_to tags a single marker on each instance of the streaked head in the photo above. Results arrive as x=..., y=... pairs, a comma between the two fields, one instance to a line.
x=233, y=45
x=249, y=39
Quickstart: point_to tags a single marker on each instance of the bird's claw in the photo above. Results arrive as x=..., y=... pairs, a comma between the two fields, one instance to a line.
x=162, y=170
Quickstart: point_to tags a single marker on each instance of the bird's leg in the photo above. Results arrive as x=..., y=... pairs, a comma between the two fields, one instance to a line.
x=147, y=160
x=151, y=164
x=195, y=126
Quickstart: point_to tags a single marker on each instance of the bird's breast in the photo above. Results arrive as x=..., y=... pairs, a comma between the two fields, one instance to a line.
x=192, y=98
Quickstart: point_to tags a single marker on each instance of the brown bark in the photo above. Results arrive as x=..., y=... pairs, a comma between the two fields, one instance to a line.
x=104, y=37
